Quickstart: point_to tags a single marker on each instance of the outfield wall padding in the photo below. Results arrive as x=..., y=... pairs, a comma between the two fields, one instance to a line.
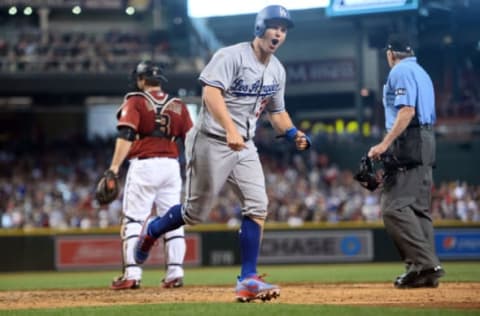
x=217, y=245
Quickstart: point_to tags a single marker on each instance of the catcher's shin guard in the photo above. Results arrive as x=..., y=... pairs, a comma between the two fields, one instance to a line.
x=175, y=249
x=130, y=232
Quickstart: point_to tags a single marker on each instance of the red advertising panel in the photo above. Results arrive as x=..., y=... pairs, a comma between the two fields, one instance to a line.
x=106, y=252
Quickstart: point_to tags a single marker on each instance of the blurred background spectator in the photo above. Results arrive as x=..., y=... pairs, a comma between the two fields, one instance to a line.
x=54, y=187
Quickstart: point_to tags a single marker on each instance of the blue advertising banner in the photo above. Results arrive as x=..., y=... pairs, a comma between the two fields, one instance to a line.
x=316, y=246
x=457, y=244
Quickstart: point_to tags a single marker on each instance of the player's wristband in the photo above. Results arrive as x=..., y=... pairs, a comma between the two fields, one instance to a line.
x=291, y=133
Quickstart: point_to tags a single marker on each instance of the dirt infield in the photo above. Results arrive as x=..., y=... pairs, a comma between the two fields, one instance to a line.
x=448, y=295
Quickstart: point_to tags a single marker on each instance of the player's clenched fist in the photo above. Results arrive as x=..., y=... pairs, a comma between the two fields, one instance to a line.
x=302, y=141
x=235, y=141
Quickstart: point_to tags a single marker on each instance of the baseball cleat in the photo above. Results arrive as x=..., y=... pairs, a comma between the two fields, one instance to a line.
x=120, y=283
x=255, y=288
x=174, y=283
x=142, y=248
x=427, y=278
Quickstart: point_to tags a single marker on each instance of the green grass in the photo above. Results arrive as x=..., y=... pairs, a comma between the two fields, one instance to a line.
x=236, y=309
x=324, y=273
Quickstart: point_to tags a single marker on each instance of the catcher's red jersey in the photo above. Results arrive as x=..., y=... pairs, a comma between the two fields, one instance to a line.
x=153, y=114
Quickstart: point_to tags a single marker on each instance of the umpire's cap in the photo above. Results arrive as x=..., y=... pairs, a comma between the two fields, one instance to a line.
x=148, y=70
x=399, y=43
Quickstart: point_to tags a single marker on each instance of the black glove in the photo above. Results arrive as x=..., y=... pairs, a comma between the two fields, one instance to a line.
x=366, y=175
x=107, y=187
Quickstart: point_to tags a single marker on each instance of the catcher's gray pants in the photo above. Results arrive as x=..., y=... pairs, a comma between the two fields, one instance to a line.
x=210, y=164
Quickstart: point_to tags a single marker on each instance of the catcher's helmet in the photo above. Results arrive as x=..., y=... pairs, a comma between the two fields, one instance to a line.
x=148, y=70
x=269, y=13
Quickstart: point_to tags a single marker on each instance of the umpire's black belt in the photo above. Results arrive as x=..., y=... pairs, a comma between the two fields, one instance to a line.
x=218, y=137
x=422, y=126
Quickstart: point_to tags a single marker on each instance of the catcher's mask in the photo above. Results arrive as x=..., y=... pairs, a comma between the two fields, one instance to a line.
x=366, y=174
x=149, y=71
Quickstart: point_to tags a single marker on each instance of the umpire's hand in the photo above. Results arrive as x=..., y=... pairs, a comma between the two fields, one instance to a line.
x=376, y=151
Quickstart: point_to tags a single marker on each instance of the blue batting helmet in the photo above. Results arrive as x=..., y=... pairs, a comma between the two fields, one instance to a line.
x=269, y=13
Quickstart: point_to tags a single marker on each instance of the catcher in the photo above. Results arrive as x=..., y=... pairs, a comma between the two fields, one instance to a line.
x=149, y=122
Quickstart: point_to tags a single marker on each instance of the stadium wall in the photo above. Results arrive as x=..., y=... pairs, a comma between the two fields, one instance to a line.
x=214, y=245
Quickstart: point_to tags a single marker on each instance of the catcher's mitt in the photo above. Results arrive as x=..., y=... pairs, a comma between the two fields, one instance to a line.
x=107, y=187
x=366, y=174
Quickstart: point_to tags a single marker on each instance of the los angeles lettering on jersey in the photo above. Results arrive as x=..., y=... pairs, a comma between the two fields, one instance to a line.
x=239, y=88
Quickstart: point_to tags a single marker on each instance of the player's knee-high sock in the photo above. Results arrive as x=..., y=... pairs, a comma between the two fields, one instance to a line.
x=171, y=220
x=250, y=233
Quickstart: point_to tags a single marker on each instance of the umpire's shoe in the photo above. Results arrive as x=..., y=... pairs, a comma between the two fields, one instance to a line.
x=427, y=278
x=121, y=283
x=142, y=248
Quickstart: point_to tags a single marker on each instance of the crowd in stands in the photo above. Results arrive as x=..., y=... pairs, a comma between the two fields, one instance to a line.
x=53, y=186
x=56, y=51
x=464, y=102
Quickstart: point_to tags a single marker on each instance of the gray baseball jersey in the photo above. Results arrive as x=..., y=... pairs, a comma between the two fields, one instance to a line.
x=250, y=87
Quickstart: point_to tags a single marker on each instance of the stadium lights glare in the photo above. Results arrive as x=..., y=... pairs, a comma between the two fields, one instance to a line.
x=76, y=10
x=208, y=8
x=130, y=10
x=28, y=11
x=12, y=10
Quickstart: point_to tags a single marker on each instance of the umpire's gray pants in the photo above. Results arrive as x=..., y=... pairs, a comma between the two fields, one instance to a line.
x=412, y=233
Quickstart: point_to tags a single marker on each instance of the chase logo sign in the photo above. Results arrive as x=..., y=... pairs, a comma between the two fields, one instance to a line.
x=457, y=244
x=316, y=246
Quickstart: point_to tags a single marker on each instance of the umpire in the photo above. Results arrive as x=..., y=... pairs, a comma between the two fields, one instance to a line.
x=408, y=98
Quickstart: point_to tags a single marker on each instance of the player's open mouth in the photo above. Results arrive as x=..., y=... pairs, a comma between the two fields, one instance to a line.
x=274, y=43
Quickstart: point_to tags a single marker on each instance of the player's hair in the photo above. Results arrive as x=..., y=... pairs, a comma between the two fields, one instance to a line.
x=402, y=55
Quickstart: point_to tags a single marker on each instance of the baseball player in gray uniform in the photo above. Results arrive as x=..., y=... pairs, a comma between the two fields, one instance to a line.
x=239, y=83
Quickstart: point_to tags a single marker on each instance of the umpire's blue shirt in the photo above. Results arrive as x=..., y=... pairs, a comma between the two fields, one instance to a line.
x=408, y=84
